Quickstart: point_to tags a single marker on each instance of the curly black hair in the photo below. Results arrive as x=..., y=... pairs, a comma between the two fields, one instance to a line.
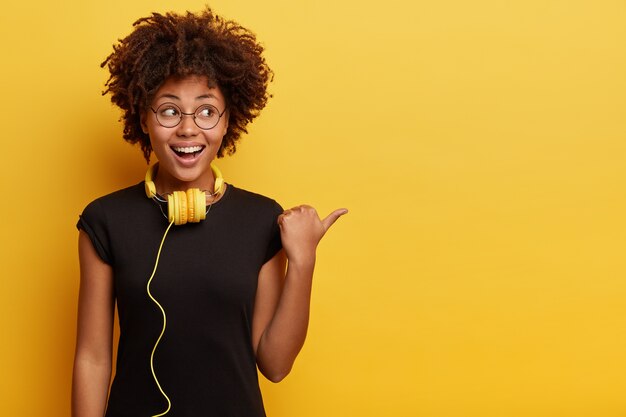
x=162, y=46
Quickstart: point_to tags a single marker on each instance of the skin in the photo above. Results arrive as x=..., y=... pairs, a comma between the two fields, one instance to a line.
x=282, y=305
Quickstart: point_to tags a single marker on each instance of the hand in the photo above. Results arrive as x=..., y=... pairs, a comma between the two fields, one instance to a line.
x=301, y=229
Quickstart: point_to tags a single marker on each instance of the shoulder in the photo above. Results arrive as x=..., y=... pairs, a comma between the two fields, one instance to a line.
x=118, y=201
x=256, y=214
x=122, y=196
x=252, y=200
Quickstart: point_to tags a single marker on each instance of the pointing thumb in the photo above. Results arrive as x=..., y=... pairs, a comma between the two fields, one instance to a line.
x=332, y=218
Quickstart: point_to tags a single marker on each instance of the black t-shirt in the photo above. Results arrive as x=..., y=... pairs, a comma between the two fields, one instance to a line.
x=206, y=282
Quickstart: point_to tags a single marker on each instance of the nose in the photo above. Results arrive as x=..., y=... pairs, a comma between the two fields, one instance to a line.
x=187, y=126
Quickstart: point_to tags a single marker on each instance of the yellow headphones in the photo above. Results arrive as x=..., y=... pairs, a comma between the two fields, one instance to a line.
x=184, y=206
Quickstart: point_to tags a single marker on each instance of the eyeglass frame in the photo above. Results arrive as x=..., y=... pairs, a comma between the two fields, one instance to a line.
x=182, y=113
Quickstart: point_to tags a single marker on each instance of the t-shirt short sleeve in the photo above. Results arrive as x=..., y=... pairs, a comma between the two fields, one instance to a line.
x=275, y=244
x=93, y=222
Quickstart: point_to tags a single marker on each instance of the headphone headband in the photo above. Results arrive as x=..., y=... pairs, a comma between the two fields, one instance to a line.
x=151, y=188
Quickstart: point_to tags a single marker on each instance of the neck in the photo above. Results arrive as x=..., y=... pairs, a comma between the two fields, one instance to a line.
x=166, y=184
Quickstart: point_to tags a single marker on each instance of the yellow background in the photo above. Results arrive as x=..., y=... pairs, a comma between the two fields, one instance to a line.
x=480, y=146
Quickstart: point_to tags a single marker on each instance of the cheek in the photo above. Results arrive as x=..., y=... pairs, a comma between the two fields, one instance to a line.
x=215, y=142
x=156, y=133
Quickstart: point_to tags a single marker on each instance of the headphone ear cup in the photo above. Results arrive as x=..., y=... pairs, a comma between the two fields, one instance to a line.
x=182, y=206
x=196, y=203
x=177, y=207
x=191, y=206
x=200, y=204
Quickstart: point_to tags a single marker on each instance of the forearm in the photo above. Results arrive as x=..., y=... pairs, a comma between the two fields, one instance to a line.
x=90, y=387
x=285, y=334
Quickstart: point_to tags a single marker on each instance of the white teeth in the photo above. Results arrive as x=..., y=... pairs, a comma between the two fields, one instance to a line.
x=190, y=149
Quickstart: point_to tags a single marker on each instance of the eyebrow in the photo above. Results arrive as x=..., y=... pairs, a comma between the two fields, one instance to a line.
x=175, y=97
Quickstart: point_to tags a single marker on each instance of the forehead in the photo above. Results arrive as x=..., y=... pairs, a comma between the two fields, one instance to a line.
x=192, y=87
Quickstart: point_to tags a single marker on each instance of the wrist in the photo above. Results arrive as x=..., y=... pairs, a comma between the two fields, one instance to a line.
x=301, y=260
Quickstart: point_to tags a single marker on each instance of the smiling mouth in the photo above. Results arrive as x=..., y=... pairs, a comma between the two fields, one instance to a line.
x=187, y=151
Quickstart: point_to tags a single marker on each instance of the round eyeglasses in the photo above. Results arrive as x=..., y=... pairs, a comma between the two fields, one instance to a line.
x=205, y=117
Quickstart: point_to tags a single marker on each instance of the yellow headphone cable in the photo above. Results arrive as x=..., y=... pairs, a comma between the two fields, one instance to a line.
x=169, y=403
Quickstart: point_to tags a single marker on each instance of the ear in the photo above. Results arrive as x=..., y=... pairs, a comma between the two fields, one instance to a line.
x=142, y=122
x=226, y=118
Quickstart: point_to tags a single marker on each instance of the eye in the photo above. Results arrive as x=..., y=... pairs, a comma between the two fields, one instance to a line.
x=169, y=111
x=206, y=112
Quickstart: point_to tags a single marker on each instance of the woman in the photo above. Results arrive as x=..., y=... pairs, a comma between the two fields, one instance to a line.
x=210, y=281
